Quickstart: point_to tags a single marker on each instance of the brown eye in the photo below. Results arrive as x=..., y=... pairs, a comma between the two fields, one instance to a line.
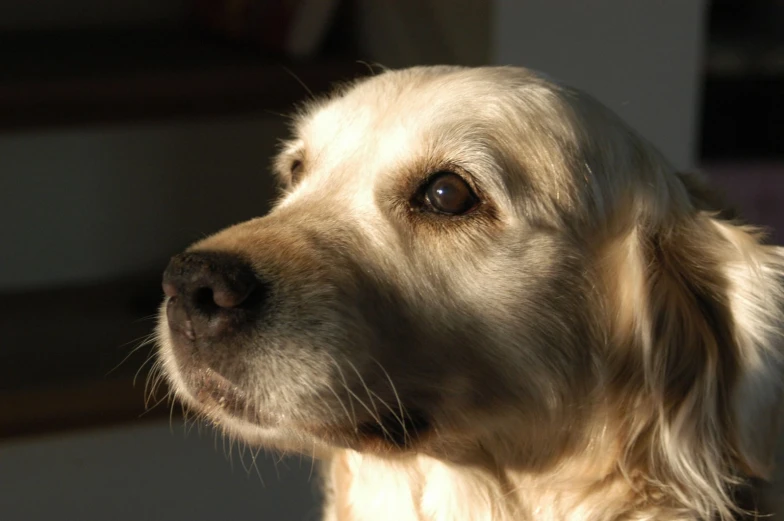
x=448, y=193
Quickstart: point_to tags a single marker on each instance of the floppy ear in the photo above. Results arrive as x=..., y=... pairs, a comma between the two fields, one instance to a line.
x=746, y=281
x=708, y=325
x=754, y=274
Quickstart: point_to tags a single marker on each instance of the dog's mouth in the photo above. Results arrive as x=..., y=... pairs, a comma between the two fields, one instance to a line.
x=214, y=391
x=401, y=430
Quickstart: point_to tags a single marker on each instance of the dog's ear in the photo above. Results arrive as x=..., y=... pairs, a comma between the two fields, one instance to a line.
x=738, y=283
x=707, y=326
x=754, y=276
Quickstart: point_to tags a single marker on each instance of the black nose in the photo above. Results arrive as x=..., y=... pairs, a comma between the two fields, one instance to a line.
x=211, y=294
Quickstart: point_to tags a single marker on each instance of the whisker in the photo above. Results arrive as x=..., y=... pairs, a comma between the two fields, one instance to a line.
x=148, y=408
x=171, y=417
x=402, y=417
x=371, y=65
x=168, y=396
x=302, y=83
x=193, y=420
x=153, y=381
x=277, y=114
x=392, y=385
x=373, y=414
x=276, y=461
x=254, y=456
x=147, y=360
x=241, y=448
x=367, y=390
x=345, y=386
x=312, y=460
x=154, y=391
x=230, y=453
x=349, y=417
x=143, y=342
x=392, y=411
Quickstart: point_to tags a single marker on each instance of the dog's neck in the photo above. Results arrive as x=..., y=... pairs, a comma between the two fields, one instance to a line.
x=422, y=488
x=360, y=487
x=578, y=481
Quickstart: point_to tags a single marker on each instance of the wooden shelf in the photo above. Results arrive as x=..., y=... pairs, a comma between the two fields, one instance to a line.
x=68, y=358
x=57, y=78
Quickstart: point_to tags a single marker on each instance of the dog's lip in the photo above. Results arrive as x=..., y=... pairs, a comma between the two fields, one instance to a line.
x=387, y=434
x=383, y=435
x=214, y=391
x=217, y=394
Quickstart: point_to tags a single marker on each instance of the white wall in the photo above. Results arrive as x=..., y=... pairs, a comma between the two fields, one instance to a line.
x=641, y=58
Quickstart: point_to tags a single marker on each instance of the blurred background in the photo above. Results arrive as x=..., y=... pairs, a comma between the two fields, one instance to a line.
x=130, y=128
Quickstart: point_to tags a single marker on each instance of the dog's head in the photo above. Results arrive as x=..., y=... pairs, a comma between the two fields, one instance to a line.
x=479, y=263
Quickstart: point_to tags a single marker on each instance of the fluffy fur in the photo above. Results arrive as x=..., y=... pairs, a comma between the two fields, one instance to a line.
x=598, y=340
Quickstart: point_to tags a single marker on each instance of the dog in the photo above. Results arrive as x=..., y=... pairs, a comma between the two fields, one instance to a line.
x=482, y=296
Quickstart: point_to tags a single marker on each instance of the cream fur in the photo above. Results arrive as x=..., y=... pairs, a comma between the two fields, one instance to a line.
x=594, y=342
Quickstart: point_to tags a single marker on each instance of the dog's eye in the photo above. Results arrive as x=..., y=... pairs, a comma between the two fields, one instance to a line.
x=448, y=193
x=296, y=169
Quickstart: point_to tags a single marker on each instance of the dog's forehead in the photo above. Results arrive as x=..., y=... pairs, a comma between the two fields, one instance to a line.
x=390, y=115
x=416, y=115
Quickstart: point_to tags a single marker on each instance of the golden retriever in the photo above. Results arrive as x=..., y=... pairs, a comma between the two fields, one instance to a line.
x=482, y=296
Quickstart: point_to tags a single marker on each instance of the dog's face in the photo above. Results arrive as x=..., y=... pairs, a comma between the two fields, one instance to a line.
x=440, y=274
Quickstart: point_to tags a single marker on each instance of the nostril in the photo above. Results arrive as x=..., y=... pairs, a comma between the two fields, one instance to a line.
x=203, y=300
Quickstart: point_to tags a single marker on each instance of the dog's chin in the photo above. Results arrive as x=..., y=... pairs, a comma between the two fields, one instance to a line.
x=231, y=408
x=227, y=407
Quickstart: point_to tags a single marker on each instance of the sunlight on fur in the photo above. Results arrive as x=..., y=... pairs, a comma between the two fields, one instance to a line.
x=482, y=296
